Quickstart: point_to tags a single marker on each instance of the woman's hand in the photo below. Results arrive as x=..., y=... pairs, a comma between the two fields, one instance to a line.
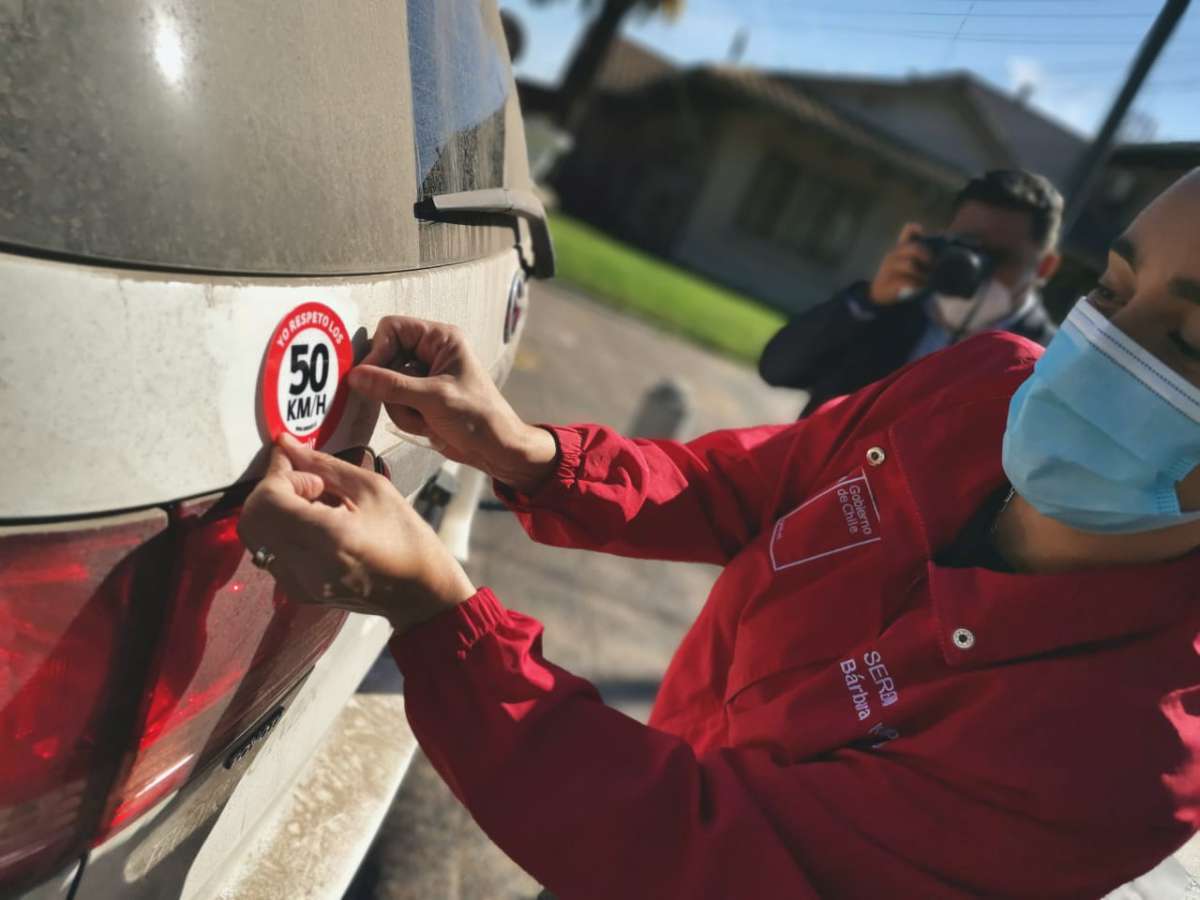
x=342, y=536
x=432, y=385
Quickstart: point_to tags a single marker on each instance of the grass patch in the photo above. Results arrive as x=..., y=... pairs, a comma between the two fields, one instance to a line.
x=684, y=303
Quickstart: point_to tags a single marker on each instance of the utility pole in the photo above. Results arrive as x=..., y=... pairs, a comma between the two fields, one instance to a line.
x=1091, y=162
x=737, y=47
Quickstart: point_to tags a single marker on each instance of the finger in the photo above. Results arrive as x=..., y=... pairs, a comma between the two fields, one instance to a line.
x=307, y=485
x=386, y=386
x=282, y=485
x=282, y=479
x=385, y=343
x=342, y=478
x=409, y=420
x=910, y=232
x=907, y=288
x=910, y=270
x=278, y=464
x=915, y=252
x=396, y=334
x=274, y=514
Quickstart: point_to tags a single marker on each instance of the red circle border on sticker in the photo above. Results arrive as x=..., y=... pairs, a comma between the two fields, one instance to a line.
x=315, y=315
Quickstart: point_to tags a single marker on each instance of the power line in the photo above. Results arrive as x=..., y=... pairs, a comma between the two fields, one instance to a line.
x=985, y=37
x=1009, y=2
x=1172, y=85
x=790, y=4
x=1088, y=66
x=1075, y=17
x=795, y=17
x=961, y=26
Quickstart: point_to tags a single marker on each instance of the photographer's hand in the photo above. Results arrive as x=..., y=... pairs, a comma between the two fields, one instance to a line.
x=455, y=404
x=904, y=271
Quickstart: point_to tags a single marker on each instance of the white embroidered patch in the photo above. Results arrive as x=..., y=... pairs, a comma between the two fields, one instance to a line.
x=839, y=518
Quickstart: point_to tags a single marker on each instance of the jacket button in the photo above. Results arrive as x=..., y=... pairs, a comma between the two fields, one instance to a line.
x=964, y=638
x=876, y=456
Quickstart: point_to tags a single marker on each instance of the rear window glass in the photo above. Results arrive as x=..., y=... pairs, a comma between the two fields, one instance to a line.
x=221, y=136
x=460, y=84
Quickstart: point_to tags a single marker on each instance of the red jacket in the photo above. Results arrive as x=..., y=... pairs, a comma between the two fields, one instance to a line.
x=846, y=717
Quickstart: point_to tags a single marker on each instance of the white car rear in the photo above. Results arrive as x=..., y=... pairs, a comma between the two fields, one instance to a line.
x=204, y=212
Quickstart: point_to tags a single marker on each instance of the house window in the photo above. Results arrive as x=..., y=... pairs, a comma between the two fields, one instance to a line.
x=813, y=215
x=760, y=209
x=820, y=218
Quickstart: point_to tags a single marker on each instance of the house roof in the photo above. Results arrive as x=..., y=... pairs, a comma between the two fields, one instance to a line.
x=631, y=65
x=1037, y=141
x=800, y=105
x=1099, y=224
x=1169, y=155
x=628, y=67
x=1015, y=133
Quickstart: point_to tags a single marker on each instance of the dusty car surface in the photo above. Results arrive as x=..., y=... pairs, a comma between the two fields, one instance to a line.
x=205, y=209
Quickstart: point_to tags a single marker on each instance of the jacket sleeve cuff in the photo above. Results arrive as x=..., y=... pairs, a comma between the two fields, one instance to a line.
x=449, y=635
x=567, y=472
x=858, y=302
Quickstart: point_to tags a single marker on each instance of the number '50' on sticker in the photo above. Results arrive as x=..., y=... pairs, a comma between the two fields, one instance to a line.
x=303, y=386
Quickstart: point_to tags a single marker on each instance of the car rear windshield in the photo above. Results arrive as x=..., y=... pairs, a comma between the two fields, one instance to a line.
x=460, y=84
x=228, y=137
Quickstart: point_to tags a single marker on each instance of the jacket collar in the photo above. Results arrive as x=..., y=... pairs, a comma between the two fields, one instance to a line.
x=1034, y=323
x=1032, y=301
x=1008, y=616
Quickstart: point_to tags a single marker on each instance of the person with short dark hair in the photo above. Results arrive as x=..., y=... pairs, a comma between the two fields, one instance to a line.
x=951, y=654
x=871, y=328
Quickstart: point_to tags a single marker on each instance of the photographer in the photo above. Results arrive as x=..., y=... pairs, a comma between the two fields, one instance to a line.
x=930, y=291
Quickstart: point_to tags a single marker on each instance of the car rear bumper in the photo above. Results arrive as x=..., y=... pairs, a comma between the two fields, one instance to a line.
x=295, y=817
x=318, y=836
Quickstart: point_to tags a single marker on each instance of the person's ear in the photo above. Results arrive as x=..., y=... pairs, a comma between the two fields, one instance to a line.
x=1048, y=266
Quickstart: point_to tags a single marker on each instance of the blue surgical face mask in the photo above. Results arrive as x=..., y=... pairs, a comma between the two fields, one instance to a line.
x=1102, y=431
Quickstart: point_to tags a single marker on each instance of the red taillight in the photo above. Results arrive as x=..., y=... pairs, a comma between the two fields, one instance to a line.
x=231, y=648
x=65, y=614
x=118, y=682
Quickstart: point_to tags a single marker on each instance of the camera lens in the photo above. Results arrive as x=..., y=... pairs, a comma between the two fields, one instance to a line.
x=958, y=271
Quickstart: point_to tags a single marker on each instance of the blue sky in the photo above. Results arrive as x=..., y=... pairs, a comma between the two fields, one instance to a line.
x=1074, y=53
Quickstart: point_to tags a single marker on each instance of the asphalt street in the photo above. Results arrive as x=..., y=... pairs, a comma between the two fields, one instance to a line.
x=614, y=621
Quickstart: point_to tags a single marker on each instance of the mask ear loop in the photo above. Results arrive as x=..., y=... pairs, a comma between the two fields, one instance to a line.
x=976, y=304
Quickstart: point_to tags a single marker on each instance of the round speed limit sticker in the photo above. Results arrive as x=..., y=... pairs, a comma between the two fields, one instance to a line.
x=303, y=391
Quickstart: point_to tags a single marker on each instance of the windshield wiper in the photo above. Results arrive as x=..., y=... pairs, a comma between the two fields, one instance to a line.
x=502, y=202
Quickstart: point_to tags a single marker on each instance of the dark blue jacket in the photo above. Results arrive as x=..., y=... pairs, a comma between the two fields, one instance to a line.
x=829, y=350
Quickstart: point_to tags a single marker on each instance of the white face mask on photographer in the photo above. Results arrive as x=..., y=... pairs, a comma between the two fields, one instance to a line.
x=992, y=303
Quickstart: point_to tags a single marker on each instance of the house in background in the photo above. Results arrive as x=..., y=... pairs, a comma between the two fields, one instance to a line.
x=959, y=118
x=787, y=186
x=1135, y=175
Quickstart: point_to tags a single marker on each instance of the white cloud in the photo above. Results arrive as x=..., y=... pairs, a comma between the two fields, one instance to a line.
x=1075, y=101
x=1024, y=71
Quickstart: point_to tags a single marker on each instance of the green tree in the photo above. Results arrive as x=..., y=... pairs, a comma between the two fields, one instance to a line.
x=593, y=48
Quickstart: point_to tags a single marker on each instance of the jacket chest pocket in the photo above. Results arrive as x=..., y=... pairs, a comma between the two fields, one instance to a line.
x=839, y=519
x=834, y=572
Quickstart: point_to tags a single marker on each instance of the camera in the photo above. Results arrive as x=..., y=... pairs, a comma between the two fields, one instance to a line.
x=959, y=266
